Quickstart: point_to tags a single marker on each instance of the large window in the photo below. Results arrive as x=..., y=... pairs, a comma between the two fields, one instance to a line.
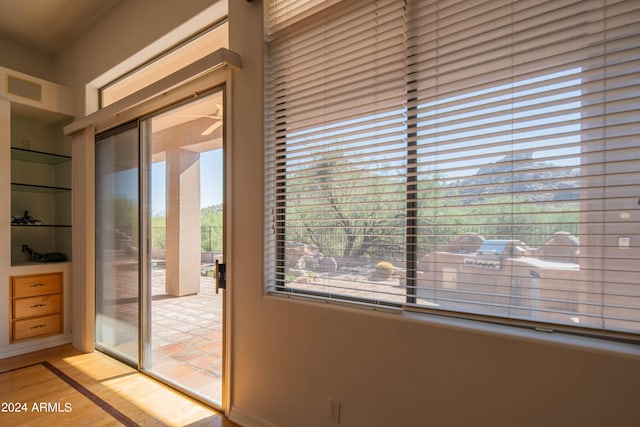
x=475, y=158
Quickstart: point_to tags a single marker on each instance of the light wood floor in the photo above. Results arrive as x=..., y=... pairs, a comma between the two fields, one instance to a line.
x=137, y=397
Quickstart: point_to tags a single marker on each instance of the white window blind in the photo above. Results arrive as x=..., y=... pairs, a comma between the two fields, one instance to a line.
x=470, y=157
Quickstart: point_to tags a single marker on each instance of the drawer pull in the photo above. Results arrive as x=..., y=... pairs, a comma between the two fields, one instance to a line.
x=38, y=305
x=36, y=285
x=37, y=326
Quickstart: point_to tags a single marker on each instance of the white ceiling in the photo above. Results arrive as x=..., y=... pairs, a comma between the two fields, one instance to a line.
x=49, y=25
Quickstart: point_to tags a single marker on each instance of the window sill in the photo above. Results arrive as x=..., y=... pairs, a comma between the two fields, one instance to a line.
x=594, y=344
x=555, y=338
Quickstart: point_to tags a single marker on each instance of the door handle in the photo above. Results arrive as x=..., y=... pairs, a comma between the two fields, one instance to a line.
x=221, y=276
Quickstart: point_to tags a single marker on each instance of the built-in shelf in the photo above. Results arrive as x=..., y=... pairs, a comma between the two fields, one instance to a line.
x=40, y=188
x=38, y=156
x=36, y=167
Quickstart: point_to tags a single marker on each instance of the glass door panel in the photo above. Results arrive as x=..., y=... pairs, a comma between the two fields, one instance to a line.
x=184, y=205
x=117, y=237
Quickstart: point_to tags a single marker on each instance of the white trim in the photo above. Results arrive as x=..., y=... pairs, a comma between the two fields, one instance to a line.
x=111, y=113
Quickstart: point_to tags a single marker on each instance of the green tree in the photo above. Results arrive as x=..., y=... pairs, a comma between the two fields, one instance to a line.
x=346, y=209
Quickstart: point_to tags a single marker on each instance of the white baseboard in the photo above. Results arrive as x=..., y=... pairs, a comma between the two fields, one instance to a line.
x=246, y=419
x=30, y=346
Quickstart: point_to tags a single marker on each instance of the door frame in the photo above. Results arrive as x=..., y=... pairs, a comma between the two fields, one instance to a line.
x=212, y=71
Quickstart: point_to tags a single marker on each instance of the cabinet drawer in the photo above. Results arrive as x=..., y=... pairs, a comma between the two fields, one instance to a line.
x=36, y=306
x=41, y=284
x=39, y=326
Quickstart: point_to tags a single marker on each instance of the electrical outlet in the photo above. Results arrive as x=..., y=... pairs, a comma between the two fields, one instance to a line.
x=334, y=411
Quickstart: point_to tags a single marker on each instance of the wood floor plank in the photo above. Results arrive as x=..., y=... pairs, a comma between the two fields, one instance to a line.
x=24, y=403
x=140, y=398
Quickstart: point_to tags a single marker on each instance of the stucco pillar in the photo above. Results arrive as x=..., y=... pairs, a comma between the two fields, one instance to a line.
x=183, y=222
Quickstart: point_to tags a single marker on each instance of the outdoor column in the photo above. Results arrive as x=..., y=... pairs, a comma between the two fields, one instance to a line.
x=183, y=222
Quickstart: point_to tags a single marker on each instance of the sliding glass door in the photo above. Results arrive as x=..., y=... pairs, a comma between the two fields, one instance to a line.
x=184, y=195
x=117, y=243
x=160, y=234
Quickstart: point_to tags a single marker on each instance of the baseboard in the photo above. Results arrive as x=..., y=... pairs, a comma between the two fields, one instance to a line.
x=246, y=419
x=31, y=346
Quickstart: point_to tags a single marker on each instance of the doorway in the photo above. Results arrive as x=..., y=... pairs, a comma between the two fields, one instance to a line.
x=160, y=232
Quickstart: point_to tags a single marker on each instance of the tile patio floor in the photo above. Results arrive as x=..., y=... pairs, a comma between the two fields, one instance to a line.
x=186, y=337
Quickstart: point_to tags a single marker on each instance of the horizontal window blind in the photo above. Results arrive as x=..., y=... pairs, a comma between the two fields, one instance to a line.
x=337, y=121
x=281, y=14
x=478, y=157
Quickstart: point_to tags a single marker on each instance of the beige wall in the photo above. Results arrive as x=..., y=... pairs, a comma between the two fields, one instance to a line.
x=129, y=33
x=388, y=369
x=21, y=58
x=289, y=357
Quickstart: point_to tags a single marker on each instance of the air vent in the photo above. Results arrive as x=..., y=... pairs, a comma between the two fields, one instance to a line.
x=24, y=88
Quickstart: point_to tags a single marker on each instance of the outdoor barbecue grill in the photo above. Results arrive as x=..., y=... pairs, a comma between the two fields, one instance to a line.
x=491, y=253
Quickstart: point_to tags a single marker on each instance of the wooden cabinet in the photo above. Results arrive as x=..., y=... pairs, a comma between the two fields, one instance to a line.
x=36, y=306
